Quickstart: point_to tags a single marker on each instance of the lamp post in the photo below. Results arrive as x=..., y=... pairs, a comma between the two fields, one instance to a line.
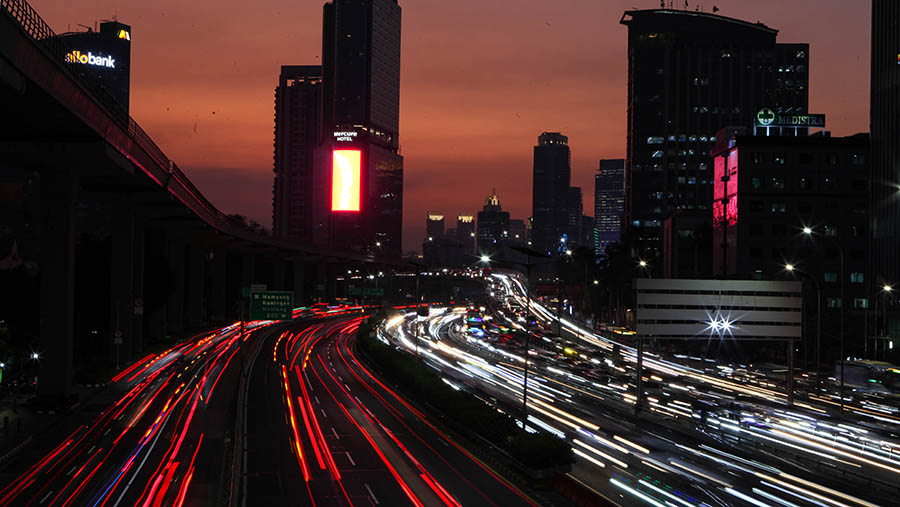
x=790, y=268
x=639, y=371
x=529, y=253
x=886, y=290
x=418, y=267
x=808, y=232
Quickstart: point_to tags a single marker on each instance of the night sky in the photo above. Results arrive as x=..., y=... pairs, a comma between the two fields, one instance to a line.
x=481, y=79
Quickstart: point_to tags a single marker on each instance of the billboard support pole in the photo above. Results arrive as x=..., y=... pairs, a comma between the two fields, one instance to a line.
x=790, y=373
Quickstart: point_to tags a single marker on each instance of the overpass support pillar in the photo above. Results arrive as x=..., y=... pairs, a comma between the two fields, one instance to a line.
x=59, y=193
x=121, y=278
x=137, y=309
x=299, y=279
x=158, y=283
x=175, y=305
x=196, y=290
x=279, y=281
x=218, y=281
x=248, y=270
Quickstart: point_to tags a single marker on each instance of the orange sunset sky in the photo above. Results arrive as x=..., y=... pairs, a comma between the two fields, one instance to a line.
x=481, y=79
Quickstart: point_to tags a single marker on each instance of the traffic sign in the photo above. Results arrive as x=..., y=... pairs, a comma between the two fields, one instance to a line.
x=258, y=287
x=271, y=305
x=375, y=291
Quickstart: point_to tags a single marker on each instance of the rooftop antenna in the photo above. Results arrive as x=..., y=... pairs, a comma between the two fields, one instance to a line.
x=89, y=29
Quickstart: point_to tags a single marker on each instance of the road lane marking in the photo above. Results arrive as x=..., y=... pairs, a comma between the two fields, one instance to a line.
x=323, y=412
x=350, y=458
x=371, y=494
x=335, y=433
x=317, y=400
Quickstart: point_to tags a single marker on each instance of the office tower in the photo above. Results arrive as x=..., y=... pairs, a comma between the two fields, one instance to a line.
x=689, y=74
x=518, y=234
x=575, y=208
x=609, y=203
x=105, y=55
x=298, y=102
x=434, y=225
x=885, y=129
x=586, y=238
x=465, y=232
x=492, y=223
x=550, y=191
x=360, y=119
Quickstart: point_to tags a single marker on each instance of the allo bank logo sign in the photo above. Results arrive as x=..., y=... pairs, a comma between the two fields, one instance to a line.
x=91, y=59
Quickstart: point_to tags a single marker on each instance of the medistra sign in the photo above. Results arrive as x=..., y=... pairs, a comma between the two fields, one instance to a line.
x=91, y=59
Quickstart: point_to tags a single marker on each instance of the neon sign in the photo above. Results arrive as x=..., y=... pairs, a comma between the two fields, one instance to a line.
x=345, y=176
x=90, y=59
x=345, y=136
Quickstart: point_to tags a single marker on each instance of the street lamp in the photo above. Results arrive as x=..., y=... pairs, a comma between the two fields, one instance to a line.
x=790, y=268
x=808, y=232
x=885, y=290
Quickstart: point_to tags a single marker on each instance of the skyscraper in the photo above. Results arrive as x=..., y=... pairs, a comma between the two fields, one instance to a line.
x=575, y=207
x=609, y=203
x=434, y=225
x=360, y=114
x=885, y=129
x=298, y=102
x=104, y=54
x=465, y=232
x=689, y=74
x=492, y=223
x=550, y=191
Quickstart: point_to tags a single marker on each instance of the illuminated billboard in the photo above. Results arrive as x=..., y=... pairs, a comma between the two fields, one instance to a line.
x=345, y=179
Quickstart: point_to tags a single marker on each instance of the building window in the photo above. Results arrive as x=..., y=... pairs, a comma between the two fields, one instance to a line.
x=861, y=303
x=806, y=158
x=858, y=231
x=778, y=207
x=831, y=277
x=856, y=277
x=779, y=230
x=804, y=207
x=805, y=183
x=834, y=302
x=756, y=230
x=757, y=274
x=756, y=182
x=756, y=253
x=829, y=183
x=779, y=159
x=830, y=231
x=858, y=159
x=657, y=154
x=778, y=182
x=681, y=179
x=757, y=158
x=858, y=184
x=654, y=140
x=756, y=205
x=702, y=166
x=832, y=159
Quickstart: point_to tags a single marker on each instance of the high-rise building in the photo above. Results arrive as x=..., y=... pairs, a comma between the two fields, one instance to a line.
x=434, y=225
x=609, y=203
x=105, y=55
x=360, y=116
x=298, y=102
x=575, y=208
x=689, y=74
x=492, y=223
x=552, y=175
x=518, y=234
x=885, y=129
x=465, y=232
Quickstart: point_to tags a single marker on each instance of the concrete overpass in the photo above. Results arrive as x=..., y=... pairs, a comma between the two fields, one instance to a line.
x=86, y=174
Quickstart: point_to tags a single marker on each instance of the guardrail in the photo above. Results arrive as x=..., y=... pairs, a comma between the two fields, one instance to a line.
x=47, y=40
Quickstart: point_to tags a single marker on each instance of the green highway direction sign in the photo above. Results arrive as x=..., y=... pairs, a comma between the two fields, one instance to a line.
x=271, y=305
x=370, y=291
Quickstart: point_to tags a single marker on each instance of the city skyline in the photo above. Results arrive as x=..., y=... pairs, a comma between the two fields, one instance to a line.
x=216, y=120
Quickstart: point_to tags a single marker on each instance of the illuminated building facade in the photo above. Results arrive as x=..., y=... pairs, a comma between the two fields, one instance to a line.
x=776, y=185
x=434, y=225
x=493, y=222
x=465, y=232
x=360, y=111
x=104, y=54
x=885, y=129
x=552, y=175
x=609, y=203
x=689, y=74
x=298, y=104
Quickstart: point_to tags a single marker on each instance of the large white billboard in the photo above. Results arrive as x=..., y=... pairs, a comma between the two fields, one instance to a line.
x=703, y=309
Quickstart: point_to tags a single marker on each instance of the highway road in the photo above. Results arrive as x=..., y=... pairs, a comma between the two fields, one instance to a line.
x=314, y=427
x=759, y=452
x=347, y=438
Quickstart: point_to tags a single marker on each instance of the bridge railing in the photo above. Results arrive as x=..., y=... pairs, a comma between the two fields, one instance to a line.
x=44, y=37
